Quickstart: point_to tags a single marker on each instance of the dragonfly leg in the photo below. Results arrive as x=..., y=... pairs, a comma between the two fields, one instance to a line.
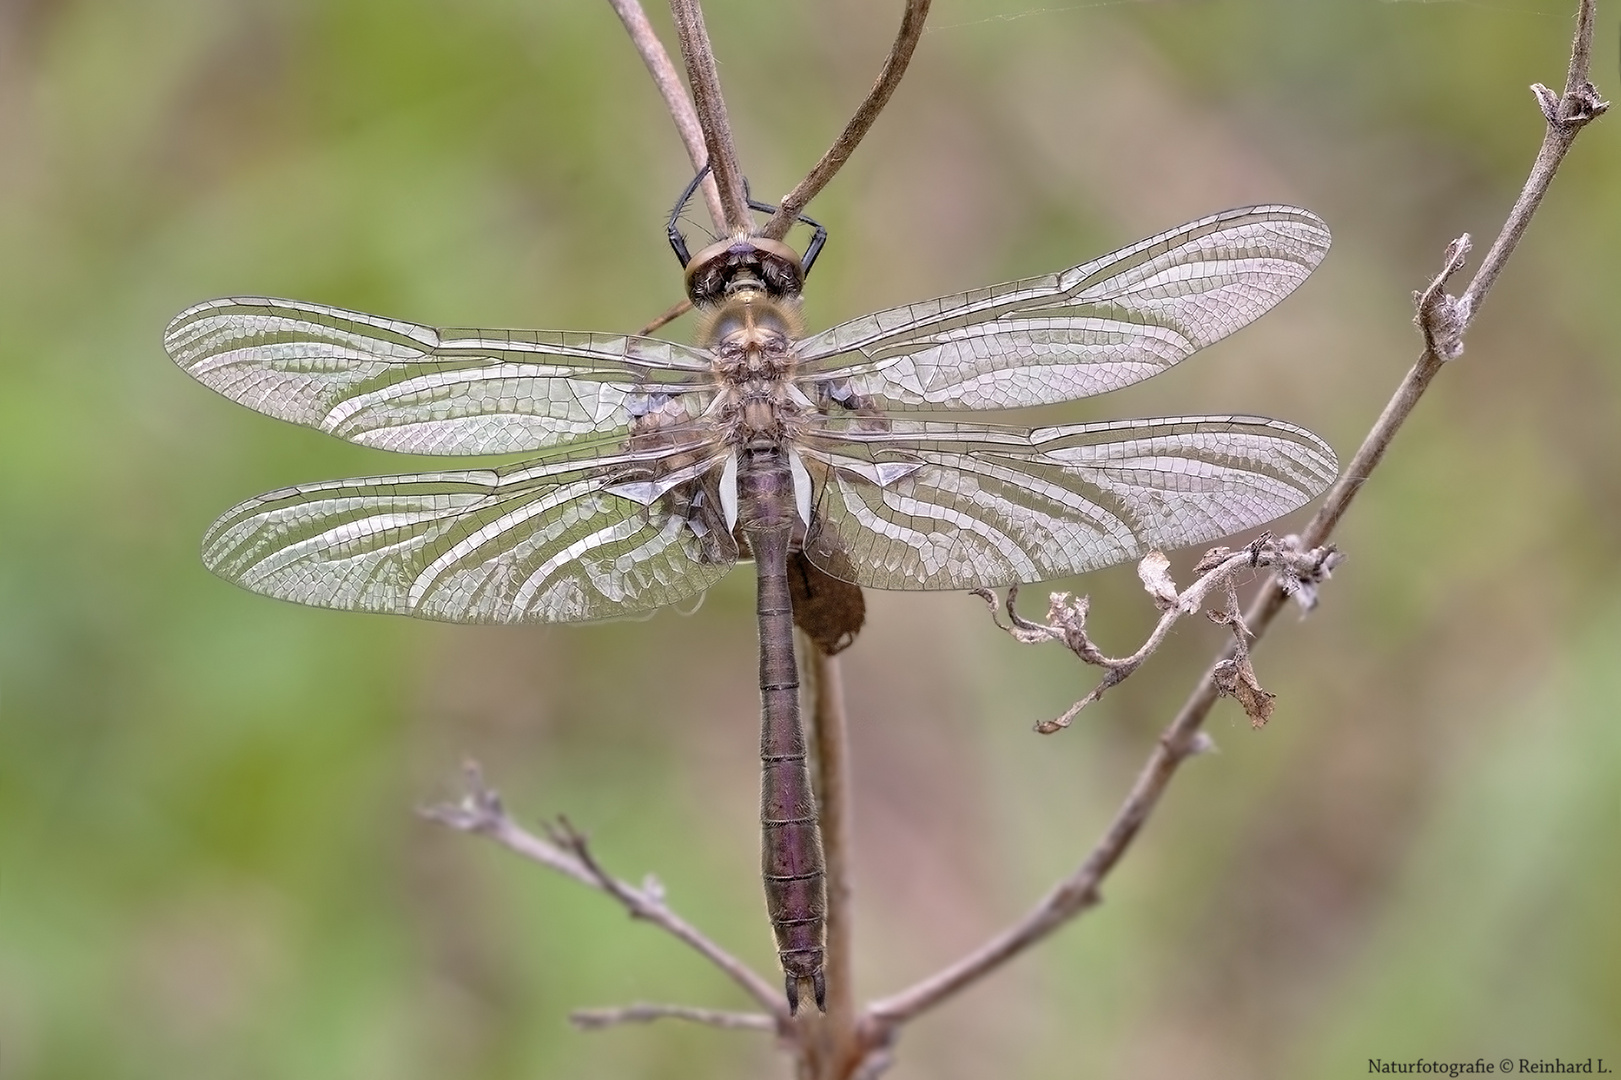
x=818, y=230
x=678, y=243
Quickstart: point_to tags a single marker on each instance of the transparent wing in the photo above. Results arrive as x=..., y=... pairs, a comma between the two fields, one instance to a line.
x=539, y=542
x=940, y=506
x=1093, y=328
x=399, y=386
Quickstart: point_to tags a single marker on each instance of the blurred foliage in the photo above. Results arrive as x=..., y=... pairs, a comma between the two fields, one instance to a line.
x=209, y=866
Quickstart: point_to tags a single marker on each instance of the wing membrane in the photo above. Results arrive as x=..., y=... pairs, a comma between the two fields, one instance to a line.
x=1083, y=331
x=399, y=386
x=532, y=543
x=940, y=506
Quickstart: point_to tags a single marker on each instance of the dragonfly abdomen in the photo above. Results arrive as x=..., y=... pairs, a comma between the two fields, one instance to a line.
x=790, y=840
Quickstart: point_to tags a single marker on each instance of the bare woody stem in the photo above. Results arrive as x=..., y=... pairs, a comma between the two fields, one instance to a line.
x=480, y=812
x=1566, y=115
x=668, y=81
x=835, y=806
x=596, y=1019
x=704, y=77
x=1443, y=321
x=889, y=77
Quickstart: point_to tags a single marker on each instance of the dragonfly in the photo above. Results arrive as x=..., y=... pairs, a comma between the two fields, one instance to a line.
x=653, y=467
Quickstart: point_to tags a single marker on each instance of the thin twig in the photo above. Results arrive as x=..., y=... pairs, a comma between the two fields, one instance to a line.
x=668, y=81
x=704, y=78
x=1300, y=570
x=1566, y=115
x=671, y=314
x=874, y=1064
x=1182, y=738
x=480, y=812
x=1579, y=105
x=889, y=77
x=640, y=1013
x=830, y=731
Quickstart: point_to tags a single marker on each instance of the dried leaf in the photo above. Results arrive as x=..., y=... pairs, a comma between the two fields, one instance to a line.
x=828, y=610
x=1210, y=560
x=1236, y=679
x=1155, y=571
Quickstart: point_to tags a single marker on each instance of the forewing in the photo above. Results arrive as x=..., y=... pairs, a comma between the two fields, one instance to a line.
x=399, y=386
x=940, y=506
x=1093, y=328
x=533, y=543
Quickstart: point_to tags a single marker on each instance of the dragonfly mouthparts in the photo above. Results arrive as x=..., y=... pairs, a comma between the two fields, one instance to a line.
x=719, y=269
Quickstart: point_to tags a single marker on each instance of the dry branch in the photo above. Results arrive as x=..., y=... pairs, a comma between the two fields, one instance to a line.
x=830, y=733
x=889, y=77
x=1300, y=571
x=481, y=812
x=597, y=1019
x=1566, y=115
x=703, y=76
x=685, y=117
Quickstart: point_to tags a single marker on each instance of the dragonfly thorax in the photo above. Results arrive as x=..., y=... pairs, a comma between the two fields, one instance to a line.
x=750, y=336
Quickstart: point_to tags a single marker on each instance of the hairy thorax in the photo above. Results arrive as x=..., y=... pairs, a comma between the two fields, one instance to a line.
x=751, y=336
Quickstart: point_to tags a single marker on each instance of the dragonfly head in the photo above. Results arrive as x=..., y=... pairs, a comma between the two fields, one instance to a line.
x=741, y=262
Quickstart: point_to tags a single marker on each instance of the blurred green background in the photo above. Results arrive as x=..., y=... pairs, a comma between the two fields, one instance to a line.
x=209, y=861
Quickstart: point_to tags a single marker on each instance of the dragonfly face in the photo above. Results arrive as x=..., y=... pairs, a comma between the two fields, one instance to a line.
x=775, y=266
x=657, y=466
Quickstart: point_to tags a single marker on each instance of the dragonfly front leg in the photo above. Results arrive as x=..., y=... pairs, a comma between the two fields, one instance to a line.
x=672, y=228
x=818, y=230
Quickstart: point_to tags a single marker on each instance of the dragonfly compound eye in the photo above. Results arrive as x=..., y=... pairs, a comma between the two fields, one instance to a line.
x=771, y=264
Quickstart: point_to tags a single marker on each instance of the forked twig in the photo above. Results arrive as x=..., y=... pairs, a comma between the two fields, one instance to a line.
x=565, y=850
x=831, y=1046
x=1566, y=116
x=1302, y=571
x=702, y=123
x=709, y=138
